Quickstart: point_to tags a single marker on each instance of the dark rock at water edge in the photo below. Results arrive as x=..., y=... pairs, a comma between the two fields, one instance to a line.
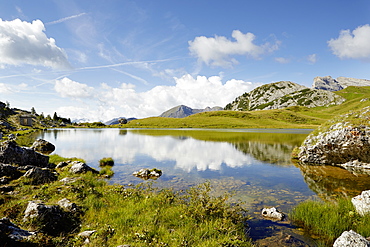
x=43, y=146
x=11, y=153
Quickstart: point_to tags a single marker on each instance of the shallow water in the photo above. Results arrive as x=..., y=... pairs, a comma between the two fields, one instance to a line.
x=252, y=164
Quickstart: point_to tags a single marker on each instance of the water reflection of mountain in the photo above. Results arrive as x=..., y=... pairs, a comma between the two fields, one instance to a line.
x=274, y=153
x=330, y=182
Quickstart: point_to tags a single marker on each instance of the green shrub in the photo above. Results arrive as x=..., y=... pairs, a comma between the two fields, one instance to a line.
x=106, y=162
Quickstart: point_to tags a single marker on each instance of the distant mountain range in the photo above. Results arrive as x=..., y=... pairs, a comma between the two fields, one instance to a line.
x=331, y=84
x=182, y=111
x=116, y=120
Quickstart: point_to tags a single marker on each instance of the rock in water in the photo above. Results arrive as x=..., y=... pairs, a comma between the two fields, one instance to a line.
x=272, y=213
x=351, y=238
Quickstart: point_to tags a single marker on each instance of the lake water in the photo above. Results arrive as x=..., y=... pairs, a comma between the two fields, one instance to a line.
x=252, y=164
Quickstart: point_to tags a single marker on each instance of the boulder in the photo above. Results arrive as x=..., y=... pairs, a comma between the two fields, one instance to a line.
x=39, y=175
x=68, y=205
x=12, y=233
x=50, y=219
x=9, y=171
x=362, y=202
x=11, y=153
x=339, y=142
x=43, y=146
x=80, y=167
x=351, y=238
x=272, y=213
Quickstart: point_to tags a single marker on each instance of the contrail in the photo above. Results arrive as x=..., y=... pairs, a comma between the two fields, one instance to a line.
x=64, y=19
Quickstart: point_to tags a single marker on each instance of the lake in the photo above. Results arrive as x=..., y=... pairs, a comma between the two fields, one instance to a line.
x=253, y=164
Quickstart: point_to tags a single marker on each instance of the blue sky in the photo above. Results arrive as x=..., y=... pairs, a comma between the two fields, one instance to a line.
x=98, y=60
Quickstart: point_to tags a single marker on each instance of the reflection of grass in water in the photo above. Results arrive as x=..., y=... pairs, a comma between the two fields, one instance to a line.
x=330, y=219
x=232, y=137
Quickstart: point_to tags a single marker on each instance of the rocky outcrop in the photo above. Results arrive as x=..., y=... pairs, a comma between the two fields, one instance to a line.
x=340, y=141
x=331, y=84
x=39, y=175
x=9, y=171
x=43, y=146
x=51, y=219
x=283, y=94
x=351, y=238
x=11, y=153
x=182, y=111
x=362, y=202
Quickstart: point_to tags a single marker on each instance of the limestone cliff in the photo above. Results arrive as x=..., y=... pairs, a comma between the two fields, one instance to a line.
x=283, y=94
x=331, y=84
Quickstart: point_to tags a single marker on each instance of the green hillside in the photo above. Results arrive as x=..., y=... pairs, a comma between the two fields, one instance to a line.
x=290, y=117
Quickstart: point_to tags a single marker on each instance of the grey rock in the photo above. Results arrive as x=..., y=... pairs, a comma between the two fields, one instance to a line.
x=68, y=205
x=339, y=143
x=43, y=146
x=11, y=153
x=351, y=238
x=146, y=173
x=346, y=82
x=62, y=164
x=80, y=167
x=14, y=232
x=40, y=175
x=86, y=234
x=68, y=180
x=272, y=213
x=362, y=202
x=9, y=171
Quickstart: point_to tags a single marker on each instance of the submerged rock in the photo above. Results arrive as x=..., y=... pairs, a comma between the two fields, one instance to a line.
x=362, y=202
x=146, y=173
x=272, y=213
x=351, y=238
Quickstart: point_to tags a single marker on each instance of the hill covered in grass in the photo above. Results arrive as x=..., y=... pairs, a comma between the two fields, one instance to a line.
x=289, y=117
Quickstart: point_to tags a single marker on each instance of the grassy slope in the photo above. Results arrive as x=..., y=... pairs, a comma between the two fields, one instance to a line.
x=291, y=117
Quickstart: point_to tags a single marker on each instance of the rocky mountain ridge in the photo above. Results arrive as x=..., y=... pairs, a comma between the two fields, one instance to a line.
x=331, y=84
x=283, y=94
x=182, y=111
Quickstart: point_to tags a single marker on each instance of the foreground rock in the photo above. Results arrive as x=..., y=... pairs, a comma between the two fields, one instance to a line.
x=342, y=141
x=272, y=213
x=40, y=175
x=80, y=167
x=11, y=153
x=362, y=203
x=51, y=219
x=351, y=238
x=43, y=146
x=10, y=234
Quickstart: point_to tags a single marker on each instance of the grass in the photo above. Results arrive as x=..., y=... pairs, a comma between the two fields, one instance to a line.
x=106, y=162
x=133, y=215
x=329, y=219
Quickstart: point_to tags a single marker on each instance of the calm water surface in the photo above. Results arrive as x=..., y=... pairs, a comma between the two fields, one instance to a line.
x=253, y=164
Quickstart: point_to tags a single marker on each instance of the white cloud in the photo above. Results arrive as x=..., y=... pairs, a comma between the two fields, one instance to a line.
x=68, y=88
x=217, y=51
x=282, y=60
x=125, y=101
x=22, y=42
x=312, y=58
x=355, y=44
x=5, y=88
